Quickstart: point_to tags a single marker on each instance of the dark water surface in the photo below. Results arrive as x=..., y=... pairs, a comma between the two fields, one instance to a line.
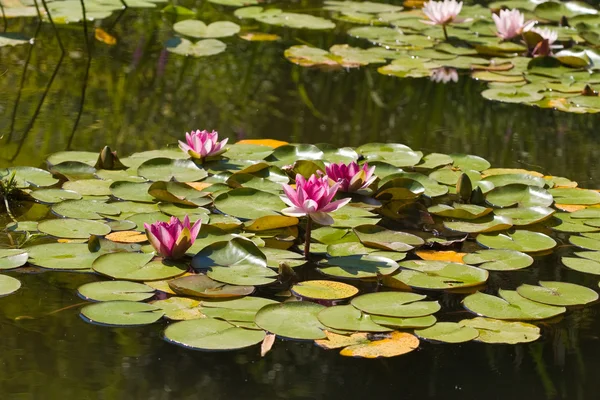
x=139, y=97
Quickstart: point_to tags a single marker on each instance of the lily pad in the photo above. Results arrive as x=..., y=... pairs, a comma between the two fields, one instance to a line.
x=558, y=293
x=137, y=267
x=203, y=286
x=497, y=331
x=381, y=238
x=202, y=48
x=448, y=332
x=499, y=260
x=8, y=285
x=249, y=203
x=395, y=304
x=511, y=306
x=73, y=228
x=295, y=320
x=115, y=290
x=68, y=256
x=324, y=290
x=350, y=319
x=166, y=169
x=212, y=334
x=12, y=258
x=524, y=241
x=122, y=313
x=519, y=194
x=358, y=266
x=198, y=29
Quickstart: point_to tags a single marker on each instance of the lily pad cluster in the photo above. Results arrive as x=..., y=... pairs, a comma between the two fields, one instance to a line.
x=429, y=224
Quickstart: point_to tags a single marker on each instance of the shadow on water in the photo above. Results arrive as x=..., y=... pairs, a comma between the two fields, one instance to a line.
x=69, y=91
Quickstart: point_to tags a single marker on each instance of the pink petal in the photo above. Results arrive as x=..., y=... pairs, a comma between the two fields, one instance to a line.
x=336, y=205
x=321, y=218
x=293, y=212
x=291, y=194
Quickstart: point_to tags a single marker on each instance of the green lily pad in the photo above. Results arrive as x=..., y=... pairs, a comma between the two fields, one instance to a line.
x=73, y=228
x=395, y=304
x=142, y=218
x=29, y=176
x=8, y=285
x=350, y=319
x=122, y=313
x=212, y=334
x=381, y=238
x=85, y=209
x=488, y=223
x=238, y=251
x=132, y=191
x=575, y=196
x=524, y=241
x=137, y=267
x=404, y=323
x=585, y=242
x=497, y=331
x=459, y=211
x=51, y=196
x=249, y=203
x=439, y=275
x=511, y=306
x=448, y=332
x=349, y=217
x=180, y=308
x=469, y=162
x=89, y=187
x=523, y=216
x=558, y=293
x=12, y=258
x=554, y=11
x=115, y=290
x=202, y=48
x=198, y=29
x=575, y=225
x=582, y=265
x=68, y=256
x=295, y=320
x=357, y=266
x=203, y=286
x=324, y=290
x=499, y=260
x=166, y=169
x=518, y=194
x=243, y=275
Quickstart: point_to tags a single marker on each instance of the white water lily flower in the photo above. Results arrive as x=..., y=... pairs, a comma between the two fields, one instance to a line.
x=442, y=12
x=444, y=75
x=510, y=24
x=546, y=33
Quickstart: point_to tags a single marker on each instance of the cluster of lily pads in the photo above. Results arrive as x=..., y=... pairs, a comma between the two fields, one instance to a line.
x=552, y=65
x=240, y=270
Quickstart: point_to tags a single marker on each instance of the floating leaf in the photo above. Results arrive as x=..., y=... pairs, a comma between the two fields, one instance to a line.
x=115, y=290
x=324, y=290
x=524, y=241
x=381, y=238
x=198, y=29
x=575, y=196
x=137, y=267
x=8, y=285
x=499, y=260
x=438, y=275
x=391, y=345
x=558, y=293
x=12, y=258
x=395, y=304
x=73, y=228
x=496, y=331
x=358, y=266
x=448, y=332
x=518, y=194
x=404, y=323
x=166, y=169
x=510, y=306
x=203, y=286
x=122, y=313
x=522, y=216
x=350, y=319
x=459, y=211
x=211, y=334
x=295, y=320
x=582, y=265
x=62, y=256
x=202, y=48
x=488, y=223
x=249, y=203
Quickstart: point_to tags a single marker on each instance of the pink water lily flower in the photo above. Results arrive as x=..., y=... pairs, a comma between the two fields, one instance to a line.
x=511, y=23
x=172, y=239
x=312, y=197
x=546, y=34
x=442, y=12
x=202, y=144
x=351, y=177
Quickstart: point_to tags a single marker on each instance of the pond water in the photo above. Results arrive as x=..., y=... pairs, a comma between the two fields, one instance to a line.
x=136, y=96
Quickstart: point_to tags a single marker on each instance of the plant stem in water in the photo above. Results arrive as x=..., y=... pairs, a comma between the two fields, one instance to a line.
x=307, y=238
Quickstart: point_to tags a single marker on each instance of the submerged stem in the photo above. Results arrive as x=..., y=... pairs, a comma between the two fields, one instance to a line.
x=307, y=238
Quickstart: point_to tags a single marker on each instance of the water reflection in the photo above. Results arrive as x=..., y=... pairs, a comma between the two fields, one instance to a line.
x=136, y=96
